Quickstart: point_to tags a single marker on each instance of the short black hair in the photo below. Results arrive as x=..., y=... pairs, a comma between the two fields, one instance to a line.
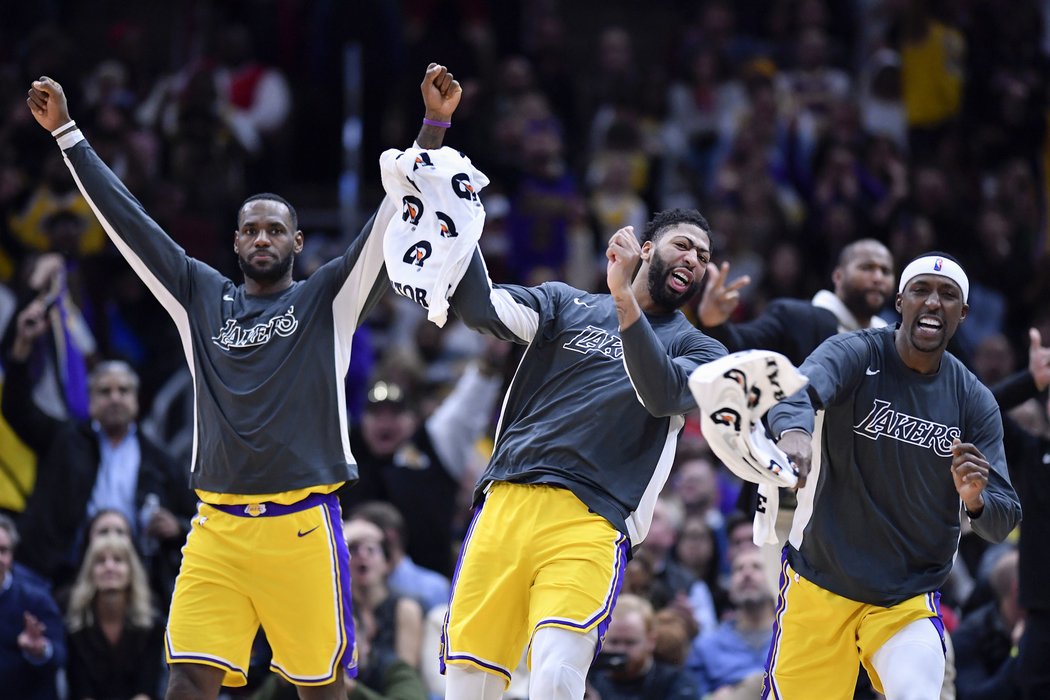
x=672, y=217
x=271, y=197
x=850, y=250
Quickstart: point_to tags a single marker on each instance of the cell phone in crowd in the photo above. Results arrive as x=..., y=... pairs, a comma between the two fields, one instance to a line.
x=612, y=661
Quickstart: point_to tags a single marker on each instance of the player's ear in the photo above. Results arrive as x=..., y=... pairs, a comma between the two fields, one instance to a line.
x=897, y=303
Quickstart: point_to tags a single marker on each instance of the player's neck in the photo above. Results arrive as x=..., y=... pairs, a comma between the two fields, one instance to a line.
x=256, y=288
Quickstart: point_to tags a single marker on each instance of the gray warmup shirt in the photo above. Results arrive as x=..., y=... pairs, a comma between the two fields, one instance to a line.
x=267, y=371
x=879, y=519
x=590, y=409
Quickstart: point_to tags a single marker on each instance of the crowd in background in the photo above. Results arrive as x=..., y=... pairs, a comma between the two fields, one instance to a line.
x=795, y=126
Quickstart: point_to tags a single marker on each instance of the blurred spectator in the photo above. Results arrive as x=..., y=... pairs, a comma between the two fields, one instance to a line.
x=700, y=109
x=697, y=550
x=115, y=636
x=392, y=624
x=932, y=73
x=32, y=640
x=729, y=662
x=987, y=638
x=417, y=463
x=813, y=85
x=881, y=104
x=626, y=669
x=85, y=467
x=670, y=580
x=406, y=577
x=1028, y=456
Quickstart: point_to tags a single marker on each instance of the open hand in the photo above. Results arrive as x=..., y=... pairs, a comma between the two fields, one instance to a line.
x=720, y=299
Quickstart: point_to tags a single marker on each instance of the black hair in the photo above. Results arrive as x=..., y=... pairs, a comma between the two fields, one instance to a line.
x=271, y=197
x=672, y=217
x=849, y=251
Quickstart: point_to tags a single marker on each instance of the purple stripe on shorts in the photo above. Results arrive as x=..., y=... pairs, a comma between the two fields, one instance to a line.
x=938, y=622
x=452, y=592
x=768, y=687
x=265, y=509
x=335, y=519
x=622, y=549
x=198, y=658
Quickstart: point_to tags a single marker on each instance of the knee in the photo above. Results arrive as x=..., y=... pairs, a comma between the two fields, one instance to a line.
x=557, y=678
x=193, y=682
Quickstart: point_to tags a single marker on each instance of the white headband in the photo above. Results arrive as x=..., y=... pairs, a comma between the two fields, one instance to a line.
x=936, y=265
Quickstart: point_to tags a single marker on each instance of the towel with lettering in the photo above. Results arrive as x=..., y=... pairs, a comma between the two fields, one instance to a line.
x=428, y=248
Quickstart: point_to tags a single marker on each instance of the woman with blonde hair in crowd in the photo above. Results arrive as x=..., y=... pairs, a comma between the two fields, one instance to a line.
x=115, y=636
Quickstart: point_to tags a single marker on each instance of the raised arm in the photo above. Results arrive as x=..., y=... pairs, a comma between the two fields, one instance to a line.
x=33, y=426
x=659, y=373
x=156, y=259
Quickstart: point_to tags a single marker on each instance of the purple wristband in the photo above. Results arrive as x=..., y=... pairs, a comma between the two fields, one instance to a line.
x=434, y=122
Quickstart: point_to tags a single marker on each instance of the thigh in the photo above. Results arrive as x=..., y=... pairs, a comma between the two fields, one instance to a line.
x=212, y=619
x=580, y=560
x=814, y=649
x=486, y=622
x=301, y=590
x=880, y=624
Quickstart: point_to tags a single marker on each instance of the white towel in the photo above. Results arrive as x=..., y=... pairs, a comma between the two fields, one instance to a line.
x=428, y=248
x=734, y=393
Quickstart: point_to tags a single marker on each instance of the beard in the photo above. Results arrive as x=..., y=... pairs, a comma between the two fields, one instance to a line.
x=856, y=300
x=662, y=295
x=275, y=272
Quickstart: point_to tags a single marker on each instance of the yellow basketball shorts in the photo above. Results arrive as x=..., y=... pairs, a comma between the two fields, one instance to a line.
x=819, y=637
x=533, y=557
x=285, y=567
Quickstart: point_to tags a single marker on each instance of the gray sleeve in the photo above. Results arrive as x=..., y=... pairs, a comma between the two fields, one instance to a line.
x=361, y=270
x=1002, y=510
x=833, y=370
x=507, y=312
x=161, y=263
x=660, y=379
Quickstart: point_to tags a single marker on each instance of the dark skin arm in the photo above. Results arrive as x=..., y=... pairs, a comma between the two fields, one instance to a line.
x=970, y=472
x=441, y=95
x=969, y=467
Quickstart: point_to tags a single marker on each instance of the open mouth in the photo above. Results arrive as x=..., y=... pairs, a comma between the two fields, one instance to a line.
x=929, y=325
x=680, y=279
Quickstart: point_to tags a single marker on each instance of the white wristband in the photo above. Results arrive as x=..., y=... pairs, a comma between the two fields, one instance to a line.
x=62, y=128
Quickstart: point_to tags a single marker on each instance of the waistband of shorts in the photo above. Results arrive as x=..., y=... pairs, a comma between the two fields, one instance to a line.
x=267, y=509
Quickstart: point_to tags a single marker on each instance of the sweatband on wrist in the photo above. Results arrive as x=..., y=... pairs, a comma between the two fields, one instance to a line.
x=434, y=122
x=68, y=125
x=936, y=265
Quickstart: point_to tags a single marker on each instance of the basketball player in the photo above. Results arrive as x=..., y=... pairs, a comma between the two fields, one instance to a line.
x=271, y=443
x=906, y=442
x=584, y=445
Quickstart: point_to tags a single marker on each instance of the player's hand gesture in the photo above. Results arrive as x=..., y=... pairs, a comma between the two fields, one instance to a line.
x=1038, y=359
x=970, y=471
x=798, y=446
x=441, y=93
x=47, y=102
x=624, y=255
x=720, y=299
